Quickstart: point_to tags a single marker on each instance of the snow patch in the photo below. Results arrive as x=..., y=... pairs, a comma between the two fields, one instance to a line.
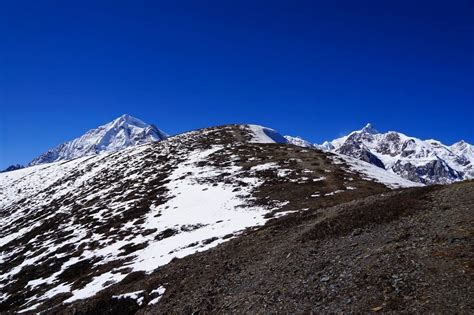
x=160, y=291
x=132, y=295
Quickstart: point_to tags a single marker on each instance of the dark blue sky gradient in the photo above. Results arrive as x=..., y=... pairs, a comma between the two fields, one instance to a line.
x=317, y=69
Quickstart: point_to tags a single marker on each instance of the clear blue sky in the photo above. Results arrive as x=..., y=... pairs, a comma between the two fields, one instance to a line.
x=317, y=69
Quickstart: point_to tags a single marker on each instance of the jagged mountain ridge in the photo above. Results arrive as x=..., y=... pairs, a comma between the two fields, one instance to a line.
x=423, y=161
x=123, y=132
x=429, y=162
x=70, y=229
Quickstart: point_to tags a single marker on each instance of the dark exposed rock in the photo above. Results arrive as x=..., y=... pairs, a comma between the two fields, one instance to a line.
x=356, y=150
x=436, y=171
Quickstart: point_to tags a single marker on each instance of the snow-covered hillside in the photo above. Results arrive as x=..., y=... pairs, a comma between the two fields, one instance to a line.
x=123, y=132
x=70, y=229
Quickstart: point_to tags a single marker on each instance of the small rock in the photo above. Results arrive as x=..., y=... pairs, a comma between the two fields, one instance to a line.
x=356, y=232
x=324, y=279
x=377, y=308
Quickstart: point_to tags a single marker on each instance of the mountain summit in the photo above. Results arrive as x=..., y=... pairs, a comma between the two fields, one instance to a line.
x=369, y=129
x=125, y=131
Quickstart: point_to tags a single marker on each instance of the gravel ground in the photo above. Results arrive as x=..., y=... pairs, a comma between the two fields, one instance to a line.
x=408, y=251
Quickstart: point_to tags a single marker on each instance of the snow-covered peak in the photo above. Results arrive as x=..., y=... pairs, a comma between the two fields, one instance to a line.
x=126, y=119
x=124, y=131
x=369, y=129
x=464, y=149
x=461, y=146
x=460, y=143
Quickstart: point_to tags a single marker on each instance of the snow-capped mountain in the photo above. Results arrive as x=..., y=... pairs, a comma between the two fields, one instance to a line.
x=123, y=132
x=299, y=142
x=71, y=229
x=424, y=161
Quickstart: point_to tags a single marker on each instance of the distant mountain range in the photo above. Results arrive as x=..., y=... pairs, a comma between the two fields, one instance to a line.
x=421, y=161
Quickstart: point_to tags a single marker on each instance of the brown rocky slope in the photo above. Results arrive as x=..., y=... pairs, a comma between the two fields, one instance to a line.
x=409, y=250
